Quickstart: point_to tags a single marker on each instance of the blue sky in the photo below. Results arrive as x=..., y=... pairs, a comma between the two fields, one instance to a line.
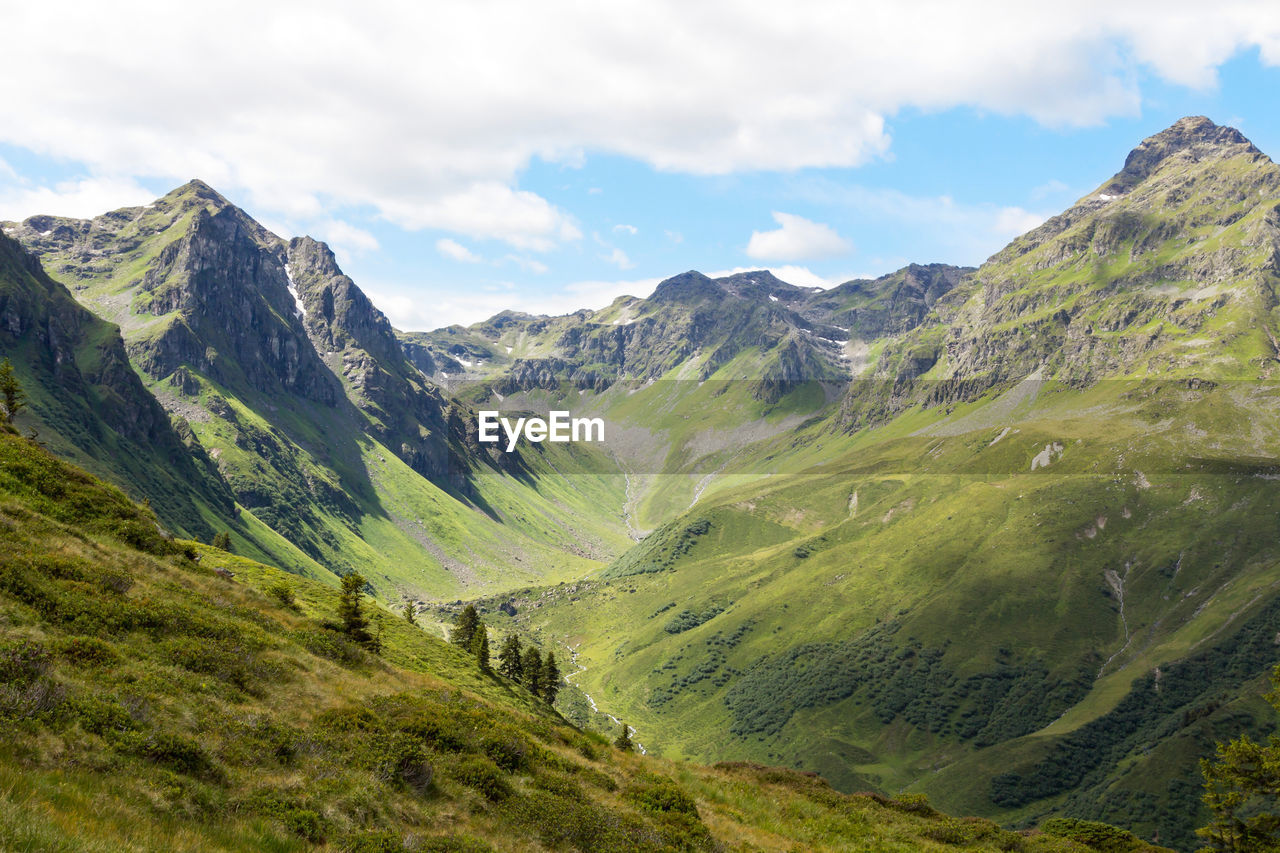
x=465, y=158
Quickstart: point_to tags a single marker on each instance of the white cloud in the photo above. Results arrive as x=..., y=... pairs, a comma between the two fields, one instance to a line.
x=626, y=229
x=427, y=115
x=619, y=259
x=345, y=237
x=523, y=219
x=970, y=232
x=674, y=236
x=79, y=199
x=791, y=274
x=1051, y=187
x=1012, y=221
x=527, y=264
x=458, y=252
x=466, y=306
x=798, y=238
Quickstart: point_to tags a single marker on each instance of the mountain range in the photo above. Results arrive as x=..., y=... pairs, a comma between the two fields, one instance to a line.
x=1003, y=536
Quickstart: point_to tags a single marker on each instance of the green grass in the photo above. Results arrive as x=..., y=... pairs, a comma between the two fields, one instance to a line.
x=159, y=696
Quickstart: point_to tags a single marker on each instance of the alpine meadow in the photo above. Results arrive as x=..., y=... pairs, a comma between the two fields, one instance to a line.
x=975, y=558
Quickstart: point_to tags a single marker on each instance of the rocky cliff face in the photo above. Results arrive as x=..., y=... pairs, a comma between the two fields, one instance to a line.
x=406, y=413
x=785, y=334
x=86, y=401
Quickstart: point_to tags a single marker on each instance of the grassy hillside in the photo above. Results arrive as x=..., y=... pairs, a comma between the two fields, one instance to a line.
x=162, y=695
x=1027, y=567
x=932, y=600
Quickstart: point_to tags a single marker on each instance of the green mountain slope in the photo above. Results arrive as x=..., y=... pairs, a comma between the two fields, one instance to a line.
x=86, y=403
x=1029, y=565
x=326, y=435
x=168, y=696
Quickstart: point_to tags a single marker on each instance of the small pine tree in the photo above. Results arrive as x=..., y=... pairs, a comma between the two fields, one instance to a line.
x=623, y=741
x=464, y=627
x=480, y=648
x=222, y=540
x=354, y=623
x=409, y=615
x=532, y=666
x=15, y=399
x=550, y=679
x=509, y=663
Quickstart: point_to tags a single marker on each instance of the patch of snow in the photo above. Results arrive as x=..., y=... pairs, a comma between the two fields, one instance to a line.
x=1106, y=197
x=466, y=363
x=46, y=233
x=298, y=308
x=444, y=375
x=508, y=350
x=772, y=298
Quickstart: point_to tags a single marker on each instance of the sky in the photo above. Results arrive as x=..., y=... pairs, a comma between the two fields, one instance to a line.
x=468, y=157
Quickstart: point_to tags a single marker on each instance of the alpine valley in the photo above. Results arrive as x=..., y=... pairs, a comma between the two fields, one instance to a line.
x=1004, y=537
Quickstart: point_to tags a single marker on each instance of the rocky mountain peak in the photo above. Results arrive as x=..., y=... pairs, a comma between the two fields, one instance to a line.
x=1189, y=139
x=691, y=286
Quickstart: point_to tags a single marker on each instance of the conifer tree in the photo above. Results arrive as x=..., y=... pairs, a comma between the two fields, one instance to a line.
x=623, y=741
x=14, y=397
x=510, y=664
x=532, y=665
x=480, y=648
x=550, y=679
x=354, y=623
x=221, y=541
x=1242, y=790
x=464, y=627
x=409, y=614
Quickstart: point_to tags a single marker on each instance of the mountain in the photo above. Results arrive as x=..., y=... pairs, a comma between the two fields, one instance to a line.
x=86, y=403
x=1003, y=536
x=1025, y=562
x=341, y=456
x=689, y=379
x=150, y=692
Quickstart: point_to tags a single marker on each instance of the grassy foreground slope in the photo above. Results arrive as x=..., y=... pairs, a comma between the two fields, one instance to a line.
x=152, y=702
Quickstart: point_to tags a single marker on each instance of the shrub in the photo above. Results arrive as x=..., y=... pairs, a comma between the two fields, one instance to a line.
x=306, y=823
x=914, y=804
x=507, y=748
x=331, y=645
x=175, y=752
x=88, y=651
x=101, y=716
x=661, y=795
x=22, y=662
x=1099, y=836
x=483, y=775
x=283, y=594
x=403, y=760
